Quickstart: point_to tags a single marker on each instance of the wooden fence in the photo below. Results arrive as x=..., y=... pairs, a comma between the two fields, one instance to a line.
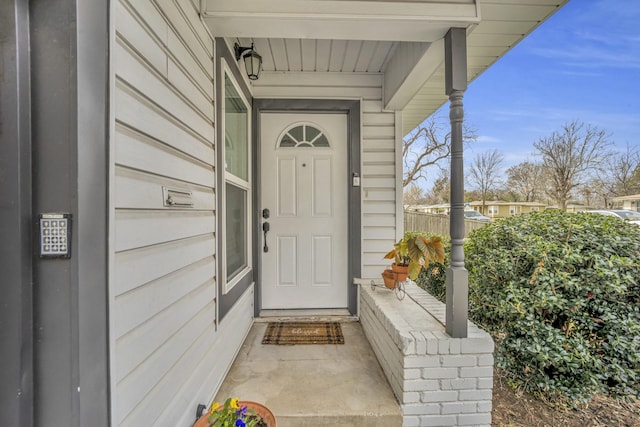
x=435, y=223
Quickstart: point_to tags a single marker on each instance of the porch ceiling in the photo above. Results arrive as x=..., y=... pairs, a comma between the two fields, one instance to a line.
x=364, y=36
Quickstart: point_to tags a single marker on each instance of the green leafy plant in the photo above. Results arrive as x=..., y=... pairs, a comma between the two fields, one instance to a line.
x=231, y=414
x=432, y=278
x=560, y=294
x=417, y=250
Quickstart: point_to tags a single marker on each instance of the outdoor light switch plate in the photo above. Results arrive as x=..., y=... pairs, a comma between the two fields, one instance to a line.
x=55, y=235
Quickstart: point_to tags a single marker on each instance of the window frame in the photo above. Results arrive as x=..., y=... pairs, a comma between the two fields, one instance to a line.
x=229, y=178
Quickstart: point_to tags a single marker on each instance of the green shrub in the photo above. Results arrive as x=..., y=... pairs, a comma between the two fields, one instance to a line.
x=433, y=278
x=560, y=293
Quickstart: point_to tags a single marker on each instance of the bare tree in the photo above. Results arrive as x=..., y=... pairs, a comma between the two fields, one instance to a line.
x=427, y=146
x=524, y=179
x=620, y=176
x=484, y=173
x=441, y=190
x=413, y=195
x=570, y=155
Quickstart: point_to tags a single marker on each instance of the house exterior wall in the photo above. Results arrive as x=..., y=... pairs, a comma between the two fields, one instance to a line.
x=381, y=196
x=16, y=316
x=167, y=351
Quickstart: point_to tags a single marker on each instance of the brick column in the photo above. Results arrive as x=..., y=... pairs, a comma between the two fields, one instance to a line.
x=438, y=380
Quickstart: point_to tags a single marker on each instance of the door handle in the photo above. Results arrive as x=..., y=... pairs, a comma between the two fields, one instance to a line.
x=265, y=229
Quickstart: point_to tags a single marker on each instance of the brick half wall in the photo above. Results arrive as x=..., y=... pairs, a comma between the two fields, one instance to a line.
x=438, y=380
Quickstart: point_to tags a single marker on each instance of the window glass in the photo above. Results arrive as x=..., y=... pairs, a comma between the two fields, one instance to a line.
x=304, y=135
x=312, y=133
x=322, y=141
x=236, y=229
x=297, y=133
x=236, y=132
x=236, y=203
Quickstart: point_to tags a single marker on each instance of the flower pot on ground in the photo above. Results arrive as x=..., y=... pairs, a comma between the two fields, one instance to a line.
x=416, y=251
x=234, y=413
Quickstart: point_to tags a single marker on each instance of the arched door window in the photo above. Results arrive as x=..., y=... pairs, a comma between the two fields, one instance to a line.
x=303, y=135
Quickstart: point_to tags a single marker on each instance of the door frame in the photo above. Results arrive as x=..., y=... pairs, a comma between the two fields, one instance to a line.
x=354, y=226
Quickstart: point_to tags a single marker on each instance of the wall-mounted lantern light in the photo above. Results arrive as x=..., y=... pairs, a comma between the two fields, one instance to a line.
x=252, y=61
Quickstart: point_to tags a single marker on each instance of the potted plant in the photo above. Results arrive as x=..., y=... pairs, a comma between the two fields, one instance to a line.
x=411, y=253
x=235, y=413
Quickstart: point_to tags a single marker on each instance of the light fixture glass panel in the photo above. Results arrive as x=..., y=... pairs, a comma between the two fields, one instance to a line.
x=253, y=64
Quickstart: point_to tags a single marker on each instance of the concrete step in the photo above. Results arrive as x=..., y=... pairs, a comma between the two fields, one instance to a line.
x=314, y=385
x=342, y=421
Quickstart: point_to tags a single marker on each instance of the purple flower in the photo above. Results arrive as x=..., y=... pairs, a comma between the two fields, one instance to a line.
x=240, y=423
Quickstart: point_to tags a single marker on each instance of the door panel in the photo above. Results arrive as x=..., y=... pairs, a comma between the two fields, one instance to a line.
x=287, y=261
x=321, y=187
x=322, y=255
x=287, y=188
x=305, y=182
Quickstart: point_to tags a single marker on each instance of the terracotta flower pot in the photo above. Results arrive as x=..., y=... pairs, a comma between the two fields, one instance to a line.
x=389, y=279
x=265, y=413
x=401, y=271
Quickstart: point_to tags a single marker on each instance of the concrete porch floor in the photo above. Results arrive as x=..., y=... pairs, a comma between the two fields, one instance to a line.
x=314, y=385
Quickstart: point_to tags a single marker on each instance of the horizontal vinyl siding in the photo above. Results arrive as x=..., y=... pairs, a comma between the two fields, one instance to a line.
x=378, y=149
x=379, y=186
x=164, y=337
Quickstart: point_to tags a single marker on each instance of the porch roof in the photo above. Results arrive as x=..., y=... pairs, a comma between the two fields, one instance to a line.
x=400, y=39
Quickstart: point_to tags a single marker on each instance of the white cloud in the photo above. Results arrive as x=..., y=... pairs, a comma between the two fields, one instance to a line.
x=486, y=139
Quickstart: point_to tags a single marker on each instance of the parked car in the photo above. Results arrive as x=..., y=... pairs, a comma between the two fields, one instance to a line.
x=476, y=216
x=631, y=216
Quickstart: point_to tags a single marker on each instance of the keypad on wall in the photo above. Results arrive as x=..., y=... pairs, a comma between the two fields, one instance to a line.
x=55, y=235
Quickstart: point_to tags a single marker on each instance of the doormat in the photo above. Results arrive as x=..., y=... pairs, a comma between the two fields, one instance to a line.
x=292, y=333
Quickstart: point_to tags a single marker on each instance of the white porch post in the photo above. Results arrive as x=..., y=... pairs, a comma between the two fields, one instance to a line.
x=457, y=277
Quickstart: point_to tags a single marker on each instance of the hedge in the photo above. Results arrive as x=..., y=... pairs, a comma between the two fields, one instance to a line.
x=560, y=294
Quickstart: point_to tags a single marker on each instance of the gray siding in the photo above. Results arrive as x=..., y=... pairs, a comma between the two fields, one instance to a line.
x=379, y=143
x=167, y=353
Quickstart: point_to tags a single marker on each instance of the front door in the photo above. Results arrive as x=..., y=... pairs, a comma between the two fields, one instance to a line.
x=304, y=187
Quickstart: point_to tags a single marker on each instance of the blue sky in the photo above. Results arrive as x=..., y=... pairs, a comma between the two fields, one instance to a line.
x=581, y=64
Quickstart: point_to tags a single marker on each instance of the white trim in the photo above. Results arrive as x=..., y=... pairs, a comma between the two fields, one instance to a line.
x=399, y=188
x=111, y=203
x=216, y=186
x=338, y=20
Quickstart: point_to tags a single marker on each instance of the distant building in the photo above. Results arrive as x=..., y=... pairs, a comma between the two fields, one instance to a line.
x=442, y=208
x=501, y=209
x=415, y=208
x=631, y=203
x=493, y=209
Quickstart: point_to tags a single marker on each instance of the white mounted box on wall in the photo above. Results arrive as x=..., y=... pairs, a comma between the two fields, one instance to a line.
x=175, y=197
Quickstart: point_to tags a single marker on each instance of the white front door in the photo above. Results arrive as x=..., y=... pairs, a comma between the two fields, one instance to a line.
x=304, y=187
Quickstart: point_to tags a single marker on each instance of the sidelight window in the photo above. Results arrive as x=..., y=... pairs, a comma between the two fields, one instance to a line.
x=237, y=187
